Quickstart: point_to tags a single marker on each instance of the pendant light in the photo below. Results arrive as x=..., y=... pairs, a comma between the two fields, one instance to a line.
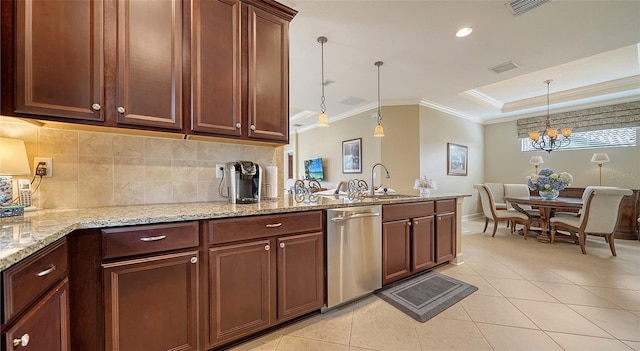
x=379, y=132
x=548, y=139
x=323, y=119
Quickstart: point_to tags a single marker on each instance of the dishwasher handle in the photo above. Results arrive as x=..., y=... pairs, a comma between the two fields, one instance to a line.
x=354, y=216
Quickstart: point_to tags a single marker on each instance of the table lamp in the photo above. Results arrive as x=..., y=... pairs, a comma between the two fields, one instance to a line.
x=13, y=161
x=600, y=159
x=536, y=160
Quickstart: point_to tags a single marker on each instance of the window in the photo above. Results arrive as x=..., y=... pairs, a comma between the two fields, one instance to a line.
x=594, y=139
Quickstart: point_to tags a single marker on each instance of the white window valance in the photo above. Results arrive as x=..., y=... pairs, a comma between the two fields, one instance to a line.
x=597, y=118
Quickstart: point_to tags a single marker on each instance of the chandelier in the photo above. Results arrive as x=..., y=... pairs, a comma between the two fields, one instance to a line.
x=548, y=139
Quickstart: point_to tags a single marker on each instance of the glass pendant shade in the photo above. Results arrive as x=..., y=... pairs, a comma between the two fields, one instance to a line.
x=323, y=120
x=379, y=131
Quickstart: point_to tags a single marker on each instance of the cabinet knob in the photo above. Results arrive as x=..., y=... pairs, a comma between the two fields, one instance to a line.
x=22, y=341
x=238, y=125
x=282, y=245
x=439, y=218
x=96, y=107
x=267, y=247
x=253, y=127
x=120, y=109
x=194, y=260
x=409, y=224
x=416, y=222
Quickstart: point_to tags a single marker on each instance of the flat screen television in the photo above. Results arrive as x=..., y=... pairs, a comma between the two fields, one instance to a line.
x=313, y=169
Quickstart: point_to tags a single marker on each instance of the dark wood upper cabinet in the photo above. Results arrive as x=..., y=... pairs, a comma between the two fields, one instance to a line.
x=268, y=75
x=58, y=59
x=148, y=64
x=149, y=79
x=216, y=67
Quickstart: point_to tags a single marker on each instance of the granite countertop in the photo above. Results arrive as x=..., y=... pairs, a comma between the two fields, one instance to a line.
x=23, y=235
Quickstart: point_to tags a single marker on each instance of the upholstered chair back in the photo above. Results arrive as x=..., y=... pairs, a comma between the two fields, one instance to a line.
x=516, y=190
x=497, y=191
x=601, y=211
x=486, y=199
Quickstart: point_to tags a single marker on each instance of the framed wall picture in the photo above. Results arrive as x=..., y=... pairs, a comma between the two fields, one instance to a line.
x=456, y=159
x=352, y=156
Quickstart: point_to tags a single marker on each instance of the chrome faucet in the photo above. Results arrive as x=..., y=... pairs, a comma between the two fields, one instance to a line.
x=339, y=186
x=373, y=189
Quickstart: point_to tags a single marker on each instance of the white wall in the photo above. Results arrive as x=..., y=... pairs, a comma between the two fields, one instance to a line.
x=327, y=143
x=505, y=163
x=436, y=130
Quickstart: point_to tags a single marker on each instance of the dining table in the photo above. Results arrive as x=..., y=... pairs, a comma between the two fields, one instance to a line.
x=547, y=209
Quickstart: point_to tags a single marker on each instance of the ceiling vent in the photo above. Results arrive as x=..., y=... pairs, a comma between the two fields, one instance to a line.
x=518, y=7
x=352, y=101
x=503, y=67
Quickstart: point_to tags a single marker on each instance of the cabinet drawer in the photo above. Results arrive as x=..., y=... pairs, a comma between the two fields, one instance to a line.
x=136, y=240
x=29, y=279
x=405, y=211
x=446, y=206
x=235, y=229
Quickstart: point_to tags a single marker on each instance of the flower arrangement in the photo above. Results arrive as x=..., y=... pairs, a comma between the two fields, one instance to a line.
x=424, y=183
x=548, y=180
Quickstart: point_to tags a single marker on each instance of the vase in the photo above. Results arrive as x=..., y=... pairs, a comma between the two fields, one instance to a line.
x=549, y=194
x=425, y=192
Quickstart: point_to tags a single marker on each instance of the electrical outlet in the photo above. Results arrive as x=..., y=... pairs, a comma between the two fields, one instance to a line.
x=219, y=170
x=48, y=165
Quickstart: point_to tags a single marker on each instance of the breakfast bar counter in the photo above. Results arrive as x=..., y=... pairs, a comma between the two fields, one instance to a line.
x=22, y=236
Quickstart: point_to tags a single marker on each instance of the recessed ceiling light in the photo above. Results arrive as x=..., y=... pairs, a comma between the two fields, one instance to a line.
x=464, y=32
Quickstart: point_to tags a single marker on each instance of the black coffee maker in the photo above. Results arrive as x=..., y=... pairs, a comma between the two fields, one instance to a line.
x=243, y=182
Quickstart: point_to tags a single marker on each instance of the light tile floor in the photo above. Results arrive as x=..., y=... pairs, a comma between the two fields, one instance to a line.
x=531, y=296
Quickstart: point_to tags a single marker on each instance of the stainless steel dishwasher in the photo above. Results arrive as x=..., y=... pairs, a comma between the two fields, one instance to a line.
x=354, y=253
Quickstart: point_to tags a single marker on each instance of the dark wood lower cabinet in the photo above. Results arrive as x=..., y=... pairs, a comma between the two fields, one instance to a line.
x=241, y=282
x=422, y=243
x=152, y=303
x=258, y=284
x=445, y=237
x=416, y=237
x=396, y=250
x=45, y=326
x=300, y=275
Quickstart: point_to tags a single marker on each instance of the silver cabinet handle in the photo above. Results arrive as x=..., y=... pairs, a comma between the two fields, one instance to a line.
x=253, y=127
x=238, y=125
x=22, y=341
x=153, y=238
x=96, y=107
x=46, y=271
x=193, y=260
x=282, y=245
x=120, y=109
x=267, y=247
x=273, y=225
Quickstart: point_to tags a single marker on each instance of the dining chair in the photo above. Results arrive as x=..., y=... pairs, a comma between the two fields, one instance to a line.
x=498, y=192
x=491, y=213
x=599, y=216
x=522, y=190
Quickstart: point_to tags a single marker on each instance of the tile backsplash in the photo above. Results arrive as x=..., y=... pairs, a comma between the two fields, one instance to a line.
x=107, y=169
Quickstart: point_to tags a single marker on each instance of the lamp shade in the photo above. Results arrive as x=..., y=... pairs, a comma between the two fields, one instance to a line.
x=536, y=160
x=13, y=157
x=600, y=158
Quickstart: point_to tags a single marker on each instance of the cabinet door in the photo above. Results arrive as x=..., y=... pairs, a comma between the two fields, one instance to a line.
x=300, y=274
x=152, y=303
x=149, y=82
x=396, y=244
x=216, y=67
x=422, y=237
x=268, y=47
x=45, y=326
x=59, y=59
x=242, y=283
x=445, y=237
